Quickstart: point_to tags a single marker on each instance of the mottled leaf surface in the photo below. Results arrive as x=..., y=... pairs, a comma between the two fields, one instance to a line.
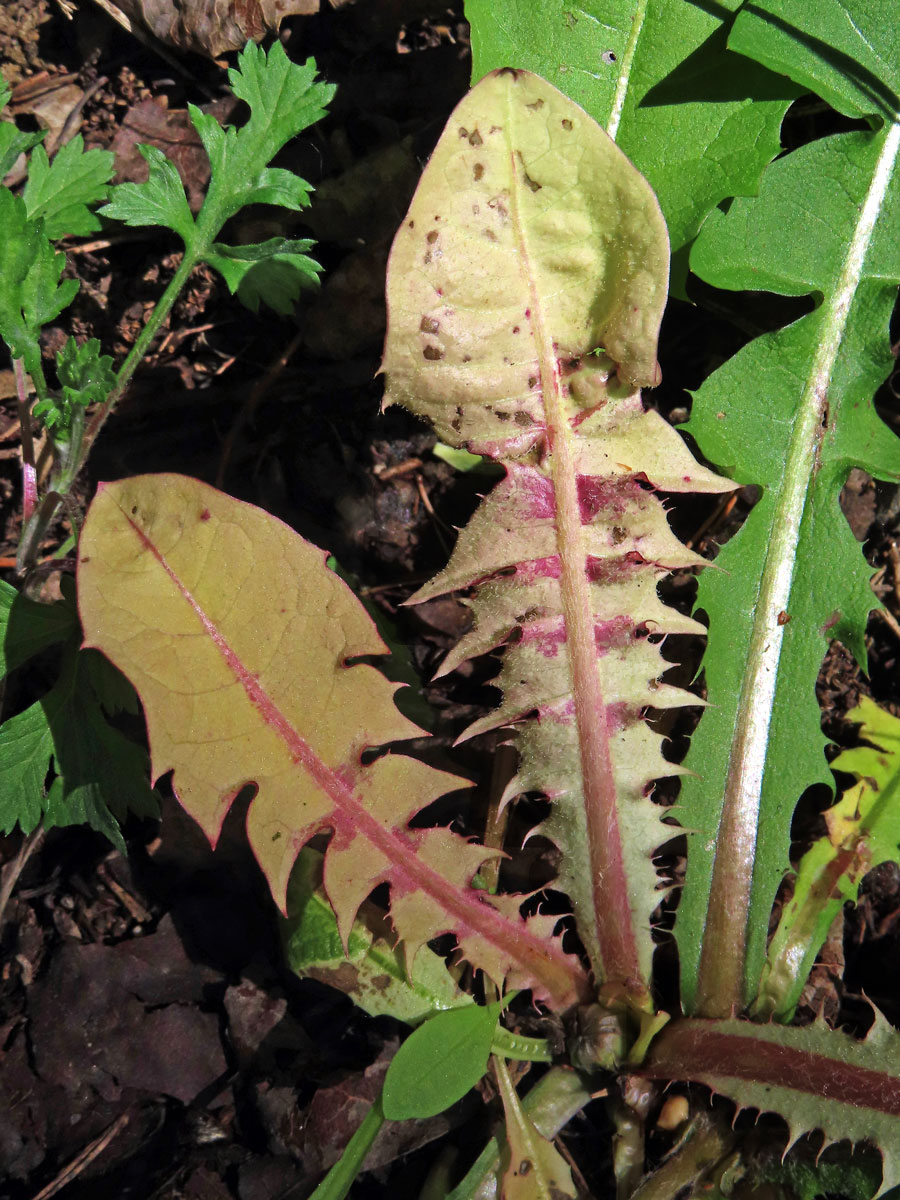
x=792, y=412
x=654, y=75
x=237, y=639
x=525, y=289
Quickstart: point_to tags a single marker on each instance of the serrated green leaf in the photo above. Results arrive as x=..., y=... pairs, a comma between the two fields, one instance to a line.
x=60, y=193
x=284, y=98
x=793, y=413
x=372, y=971
x=655, y=75
x=100, y=774
x=847, y=51
x=863, y=832
x=26, y=747
x=30, y=290
x=160, y=200
x=27, y=628
x=813, y=1077
x=272, y=272
x=440, y=1062
x=13, y=141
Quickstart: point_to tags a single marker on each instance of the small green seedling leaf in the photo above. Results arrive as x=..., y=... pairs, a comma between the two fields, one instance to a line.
x=440, y=1062
x=87, y=377
x=460, y=460
x=60, y=192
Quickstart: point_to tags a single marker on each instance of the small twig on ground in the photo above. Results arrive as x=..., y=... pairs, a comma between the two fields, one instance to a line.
x=93, y=1150
x=9, y=876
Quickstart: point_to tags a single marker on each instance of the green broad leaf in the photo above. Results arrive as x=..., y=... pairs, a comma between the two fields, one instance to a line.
x=86, y=377
x=13, y=141
x=863, y=832
x=27, y=628
x=61, y=193
x=847, y=51
x=271, y=272
x=31, y=293
x=372, y=972
x=160, y=200
x=100, y=775
x=655, y=76
x=813, y=1077
x=440, y=1062
x=792, y=412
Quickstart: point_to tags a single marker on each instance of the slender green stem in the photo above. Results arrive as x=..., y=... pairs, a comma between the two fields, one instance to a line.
x=140, y=348
x=339, y=1180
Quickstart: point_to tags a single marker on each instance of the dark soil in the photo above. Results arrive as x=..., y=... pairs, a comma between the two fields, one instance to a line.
x=152, y=1041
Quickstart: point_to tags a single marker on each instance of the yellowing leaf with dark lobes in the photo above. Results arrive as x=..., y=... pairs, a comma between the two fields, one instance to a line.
x=525, y=291
x=236, y=637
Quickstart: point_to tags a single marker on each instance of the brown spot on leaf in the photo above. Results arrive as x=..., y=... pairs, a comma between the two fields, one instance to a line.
x=535, y=105
x=476, y=209
x=609, y=57
x=783, y=617
x=522, y=419
x=478, y=171
x=566, y=124
x=619, y=535
x=515, y=328
x=432, y=236
x=490, y=235
x=513, y=71
x=412, y=225
x=204, y=516
x=496, y=129
x=532, y=381
x=463, y=132
x=429, y=325
x=525, y=1166
x=475, y=138
x=432, y=353
x=532, y=183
